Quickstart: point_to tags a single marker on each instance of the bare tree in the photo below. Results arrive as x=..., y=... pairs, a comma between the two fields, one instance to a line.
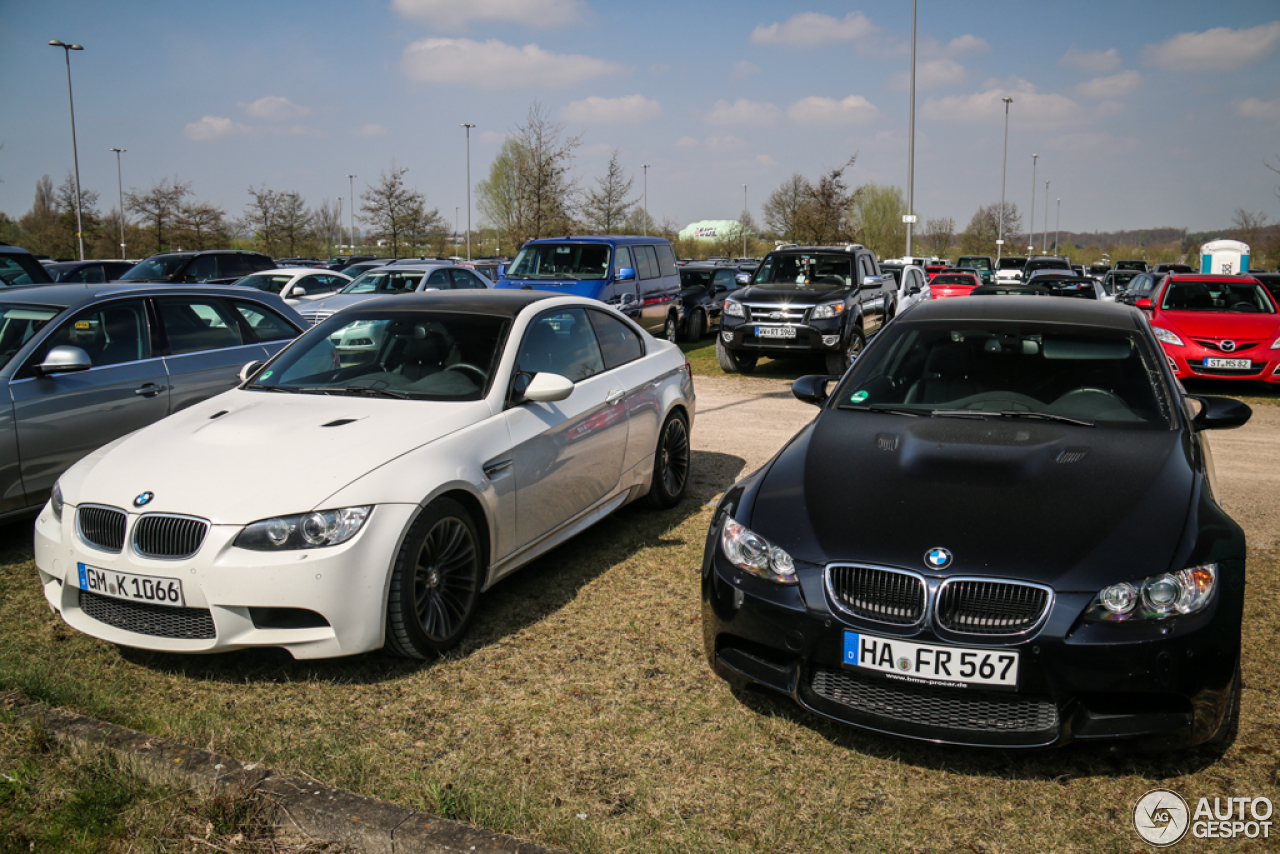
x=824, y=215
x=605, y=209
x=326, y=223
x=294, y=220
x=397, y=213
x=782, y=208
x=200, y=225
x=938, y=234
x=159, y=206
x=261, y=219
x=498, y=196
x=1249, y=225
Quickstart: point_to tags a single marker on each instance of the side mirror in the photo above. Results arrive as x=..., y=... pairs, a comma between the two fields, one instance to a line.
x=626, y=274
x=249, y=370
x=1144, y=304
x=548, y=388
x=812, y=388
x=64, y=359
x=913, y=290
x=298, y=292
x=1221, y=413
x=873, y=282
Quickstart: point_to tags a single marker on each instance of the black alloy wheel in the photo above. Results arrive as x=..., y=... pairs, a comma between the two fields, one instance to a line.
x=671, y=462
x=838, y=363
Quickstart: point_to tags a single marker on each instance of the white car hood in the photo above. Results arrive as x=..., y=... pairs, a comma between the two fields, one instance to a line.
x=269, y=453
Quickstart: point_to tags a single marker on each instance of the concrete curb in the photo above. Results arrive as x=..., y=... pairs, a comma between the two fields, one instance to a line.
x=316, y=810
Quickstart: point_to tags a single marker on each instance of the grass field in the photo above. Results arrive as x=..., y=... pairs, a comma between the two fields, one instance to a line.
x=581, y=713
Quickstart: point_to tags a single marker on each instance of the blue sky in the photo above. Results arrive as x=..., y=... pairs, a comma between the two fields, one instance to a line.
x=1144, y=113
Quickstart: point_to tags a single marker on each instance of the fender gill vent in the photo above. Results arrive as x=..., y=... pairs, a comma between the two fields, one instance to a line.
x=339, y=422
x=1072, y=455
x=887, y=442
x=218, y=414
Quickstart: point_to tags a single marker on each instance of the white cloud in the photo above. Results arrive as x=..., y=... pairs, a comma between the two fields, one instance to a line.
x=829, y=111
x=966, y=45
x=1219, y=49
x=765, y=160
x=1253, y=108
x=455, y=15
x=495, y=65
x=494, y=137
x=1032, y=107
x=212, y=127
x=724, y=143
x=1092, y=61
x=741, y=112
x=1090, y=141
x=599, y=149
x=743, y=69
x=628, y=110
x=659, y=69
x=1113, y=86
x=686, y=142
x=931, y=75
x=275, y=108
x=371, y=130
x=813, y=28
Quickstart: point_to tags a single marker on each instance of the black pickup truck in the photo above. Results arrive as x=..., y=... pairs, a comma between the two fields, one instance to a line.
x=806, y=299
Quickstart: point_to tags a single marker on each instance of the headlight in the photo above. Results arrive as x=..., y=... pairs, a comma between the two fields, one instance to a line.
x=1167, y=337
x=822, y=312
x=313, y=530
x=748, y=550
x=1275, y=345
x=733, y=308
x=1167, y=595
x=55, y=501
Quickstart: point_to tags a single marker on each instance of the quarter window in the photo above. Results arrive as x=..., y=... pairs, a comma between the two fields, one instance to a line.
x=266, y=324
x=646, y=262
x=192, y=326
x=619, y=343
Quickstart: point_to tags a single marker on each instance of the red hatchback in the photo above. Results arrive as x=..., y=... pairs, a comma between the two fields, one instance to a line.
x=953, y=285
x=1218, y=326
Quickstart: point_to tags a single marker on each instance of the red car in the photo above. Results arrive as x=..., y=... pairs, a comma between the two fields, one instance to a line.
x=932, y=270
x=1217, y=326
x=953, y=284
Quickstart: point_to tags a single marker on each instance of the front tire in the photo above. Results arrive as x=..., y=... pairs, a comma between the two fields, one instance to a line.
x=670, y=463
x=696, y=326
x=838, y=363
x=734, y=361
x=435, y=582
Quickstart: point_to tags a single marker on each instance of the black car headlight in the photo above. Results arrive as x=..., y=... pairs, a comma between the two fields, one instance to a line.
x=733, y=308
x=55, y=501
x=828, y=310
x=1170, y=594
x=749, y=551
x=313, y=530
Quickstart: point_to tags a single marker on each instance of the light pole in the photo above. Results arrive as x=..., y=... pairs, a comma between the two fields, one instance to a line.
x=1057, y=227
x=1044, y=244
x=645, y=166
x=468, y=128
x=336, y=239
x=75, y=154
x=744, y=225
x=351, y=179
x=455, y=228
x=911, y=139
x=1004, y=168
x=1031, y=224
x=120, y=188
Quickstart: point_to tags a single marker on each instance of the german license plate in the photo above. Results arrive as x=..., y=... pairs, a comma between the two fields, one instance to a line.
x=776, y=331
x=135, y=588
x=1238, y=364
x=932, y=665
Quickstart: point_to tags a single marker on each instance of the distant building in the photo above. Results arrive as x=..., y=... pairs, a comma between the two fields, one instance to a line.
x=710, y=229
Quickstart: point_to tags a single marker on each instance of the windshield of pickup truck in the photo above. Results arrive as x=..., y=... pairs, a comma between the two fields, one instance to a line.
x=561, y=261
x=806, y=272
x=977, y=262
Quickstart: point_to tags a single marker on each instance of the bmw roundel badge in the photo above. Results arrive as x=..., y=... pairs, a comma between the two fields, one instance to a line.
x=145, y=498
x=937, y=558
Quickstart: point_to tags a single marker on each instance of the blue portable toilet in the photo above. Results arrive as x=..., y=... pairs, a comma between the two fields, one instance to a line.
x=1224, y=257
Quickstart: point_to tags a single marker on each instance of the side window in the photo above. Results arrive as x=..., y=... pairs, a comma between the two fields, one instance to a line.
x=646, y=262
x=864, y=268
x=622, y=258
x=233, y=266
x=618, y=342
x=202, y=268
x=725, y=279
x=91, y=275
x=322, y=284
x=438, y=279
x=464, y=280
x=267, y=325
x=111, y=334
x=666, y=259
x=192, y=325
x=561, y=342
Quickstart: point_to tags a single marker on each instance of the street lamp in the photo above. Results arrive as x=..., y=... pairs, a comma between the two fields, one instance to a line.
x=744, y=225
x=645, y=166
x=468, y=127
x=75, y=155
x=455, y=228
x=1044, y=244
x=1057, y=228
x=1031, y=224
x=911, y=139
x=1004, y=168
x=351, y=179
x=120, y=187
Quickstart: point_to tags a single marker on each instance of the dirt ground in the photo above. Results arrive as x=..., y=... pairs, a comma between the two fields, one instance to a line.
x=741, y=422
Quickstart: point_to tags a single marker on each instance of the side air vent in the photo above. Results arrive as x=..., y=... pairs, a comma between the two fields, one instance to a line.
x=887, y=442
x=339, y=422
x=1072, y=455
x=218, y=414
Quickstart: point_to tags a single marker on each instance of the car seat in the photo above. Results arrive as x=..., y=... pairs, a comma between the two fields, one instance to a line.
x=423, y=355
x=948, y=375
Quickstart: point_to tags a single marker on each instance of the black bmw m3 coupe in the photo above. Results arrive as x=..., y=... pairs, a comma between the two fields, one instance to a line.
x=1000, y=530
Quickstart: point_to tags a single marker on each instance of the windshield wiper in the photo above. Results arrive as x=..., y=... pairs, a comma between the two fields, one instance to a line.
x=370, y=391
x=261, y=387
x=1011, y=413
x=961, y=413
x=893, y=410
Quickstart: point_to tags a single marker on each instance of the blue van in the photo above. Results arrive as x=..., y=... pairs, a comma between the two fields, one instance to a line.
x=636, y=275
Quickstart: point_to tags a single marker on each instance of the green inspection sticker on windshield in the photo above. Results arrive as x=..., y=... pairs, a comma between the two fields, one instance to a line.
x=858, y=397
x=267, y=374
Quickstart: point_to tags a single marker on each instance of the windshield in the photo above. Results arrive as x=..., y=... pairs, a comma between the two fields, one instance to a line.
x=561, y=261
x=385, y=282
x=1012, y=263
x=402, y=355
x=269, y=282
x=1011, y=370
x=18, y=323
x=158, y=269
x=978, y=262
x=809, y=271
x=1217, y=296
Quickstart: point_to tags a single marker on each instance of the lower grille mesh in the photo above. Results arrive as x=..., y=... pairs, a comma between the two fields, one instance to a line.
x=944, y=708
x=146, y=619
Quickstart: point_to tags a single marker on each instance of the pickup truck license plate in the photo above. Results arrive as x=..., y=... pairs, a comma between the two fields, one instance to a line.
x=134, y=588
x=1238, y=364
x=776, y=331
x=924, y=663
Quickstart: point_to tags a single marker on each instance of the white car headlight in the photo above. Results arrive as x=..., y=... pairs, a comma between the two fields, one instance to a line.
x=749, y=551
x=831, y=309
x=1170, y=594
x=313, y=530
x=55, y=501
x=733, y=308
x=1275, y=345
x=1166, y=337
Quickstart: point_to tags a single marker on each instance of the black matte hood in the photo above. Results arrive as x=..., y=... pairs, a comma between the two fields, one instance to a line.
x=1072, y=507
x=761, y=293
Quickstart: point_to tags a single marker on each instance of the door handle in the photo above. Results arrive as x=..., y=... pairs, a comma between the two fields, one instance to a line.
x=614, y=396
x=148, y=390
x=494, y=467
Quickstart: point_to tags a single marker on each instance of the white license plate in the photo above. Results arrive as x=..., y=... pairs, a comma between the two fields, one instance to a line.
x=776, y=331
x=1240, y=364
x=933, y=665
x=135, y=588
